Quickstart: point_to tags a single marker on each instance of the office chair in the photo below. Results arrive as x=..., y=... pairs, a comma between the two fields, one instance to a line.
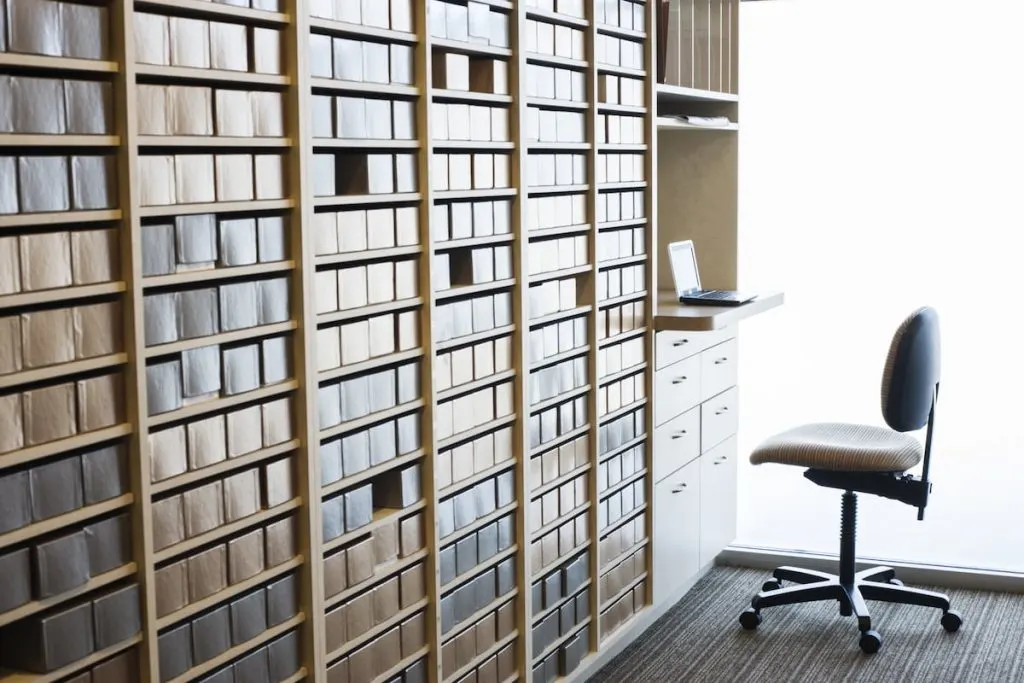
x=866, y=459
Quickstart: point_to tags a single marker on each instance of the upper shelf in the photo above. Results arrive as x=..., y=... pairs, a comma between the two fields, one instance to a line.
x=672, y=315
x=669, y=123
x=679, y=93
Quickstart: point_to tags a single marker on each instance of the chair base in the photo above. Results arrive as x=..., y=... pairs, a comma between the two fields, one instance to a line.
x=851, y=589
x=877, y=583
x=870, y=584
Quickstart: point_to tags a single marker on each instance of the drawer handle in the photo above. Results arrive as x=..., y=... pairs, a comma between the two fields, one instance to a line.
x=680, y=434
x=679, y=380
x=681, y=342
x=721, y=360
x=679, y=488
x=721, y=410
x=720, y=460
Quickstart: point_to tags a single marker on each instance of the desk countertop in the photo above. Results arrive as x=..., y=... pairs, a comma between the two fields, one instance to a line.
x=672, y=315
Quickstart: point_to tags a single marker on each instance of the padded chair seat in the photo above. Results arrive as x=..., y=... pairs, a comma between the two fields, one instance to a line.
x=842, y=448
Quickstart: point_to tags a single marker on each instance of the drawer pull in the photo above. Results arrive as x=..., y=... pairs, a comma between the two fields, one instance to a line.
x=722, y=410
x=680, y=434
x=719, y=461
x=679, y=380
x=679, y=488
x=721, y=360
x=681, y=342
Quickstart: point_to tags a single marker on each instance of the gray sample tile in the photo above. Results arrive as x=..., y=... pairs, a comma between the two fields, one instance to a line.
x=211, y=634
x=56, y=488
x=273, y=297
x=109, y=544
x=196, y=238
x=160, y=319
x=238, y=242
x=239, y=306
x=163, y=387
x=197, y=313
x=116, y=616
x=201, y=371
x=61, y=564
x=241, y=369
x=271, y=238
x=158, y=252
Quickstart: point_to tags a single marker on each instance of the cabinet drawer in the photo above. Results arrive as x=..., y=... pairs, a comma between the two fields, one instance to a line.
x=717, y=500
x=718, y=419
x=718, y=369
x=672, y=347
x=676, y=443
x=676, y=531
x=677, y=389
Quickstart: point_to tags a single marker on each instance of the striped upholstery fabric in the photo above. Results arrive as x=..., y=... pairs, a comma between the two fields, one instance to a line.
x=841, y=447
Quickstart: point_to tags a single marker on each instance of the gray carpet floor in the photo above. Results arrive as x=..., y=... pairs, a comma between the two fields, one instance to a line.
x=700, y=639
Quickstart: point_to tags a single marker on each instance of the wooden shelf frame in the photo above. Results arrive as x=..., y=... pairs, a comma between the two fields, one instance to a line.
x=299, y=206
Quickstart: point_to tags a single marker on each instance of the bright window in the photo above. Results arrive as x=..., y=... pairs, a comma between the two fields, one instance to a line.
x=880, y=169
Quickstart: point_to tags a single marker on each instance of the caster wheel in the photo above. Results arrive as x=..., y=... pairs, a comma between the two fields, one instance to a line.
x=952, y=621
x=772, y=585
x=895, y=582
x=750, y=619
x=870, y=642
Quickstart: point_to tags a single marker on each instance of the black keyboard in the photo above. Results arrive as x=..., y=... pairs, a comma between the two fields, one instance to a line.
x=717, y=295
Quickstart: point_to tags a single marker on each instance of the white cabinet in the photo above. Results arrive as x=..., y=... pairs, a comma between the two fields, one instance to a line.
x=694, y=459
x=676, y=531
x=717, y=499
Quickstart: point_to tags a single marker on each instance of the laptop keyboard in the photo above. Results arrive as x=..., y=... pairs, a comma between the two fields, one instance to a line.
x=716, y=295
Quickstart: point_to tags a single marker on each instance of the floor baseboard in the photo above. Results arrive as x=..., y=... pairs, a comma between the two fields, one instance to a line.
x=934, y=575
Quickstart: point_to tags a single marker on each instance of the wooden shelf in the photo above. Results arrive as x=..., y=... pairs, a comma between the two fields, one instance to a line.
x=223, y=467
x=240, y=588
x=369, y=255
x=80, y=516
x=497, y=193
x=72, y=443
x=211, y=141
x=478, y=477
x=183, y=73
x=386, y=144
x=667, y=123
x=387, y=89
x=556, y=17
x=225, y=531
x=371, y=364
x=17, y=140
x=71, y=669
x=322, y=25
x=474, y=145
x=196, y=276
x=46, y=296
x=561, y=62
x=48, y=63
x=371, y=419
x=244, y=334
x=215, y=663
x=621, y=71
x=470, y=242
x=620, y=32
x=472, y=49
x=216, y=207
x=381, y=574
x=371, y=473
x=93, y=584
x=678, y=93
x=52, y=372
x=381, y=517
x=218, y=405
x=361, y=199
x=470, y=96
x=472, y=290
x=21, y=220
x=369, y=311
x=220, y=11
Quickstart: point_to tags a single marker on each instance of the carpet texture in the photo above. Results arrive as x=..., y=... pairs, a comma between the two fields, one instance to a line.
x=700, y=639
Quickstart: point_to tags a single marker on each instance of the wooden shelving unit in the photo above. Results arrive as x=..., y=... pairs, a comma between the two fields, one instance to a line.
x=337, y=315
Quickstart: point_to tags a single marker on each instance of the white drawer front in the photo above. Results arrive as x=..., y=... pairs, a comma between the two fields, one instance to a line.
x=718, y=369
x=718, y=419
x=676, y=531
x=677, y=389
x=676, y=443
x=672, y=347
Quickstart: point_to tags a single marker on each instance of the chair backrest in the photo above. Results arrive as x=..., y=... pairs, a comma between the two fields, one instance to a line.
x=911, y=376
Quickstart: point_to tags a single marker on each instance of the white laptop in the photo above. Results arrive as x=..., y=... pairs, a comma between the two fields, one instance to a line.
x=683, y=260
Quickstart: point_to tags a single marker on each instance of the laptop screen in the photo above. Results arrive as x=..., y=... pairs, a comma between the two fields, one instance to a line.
x=683, y=261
